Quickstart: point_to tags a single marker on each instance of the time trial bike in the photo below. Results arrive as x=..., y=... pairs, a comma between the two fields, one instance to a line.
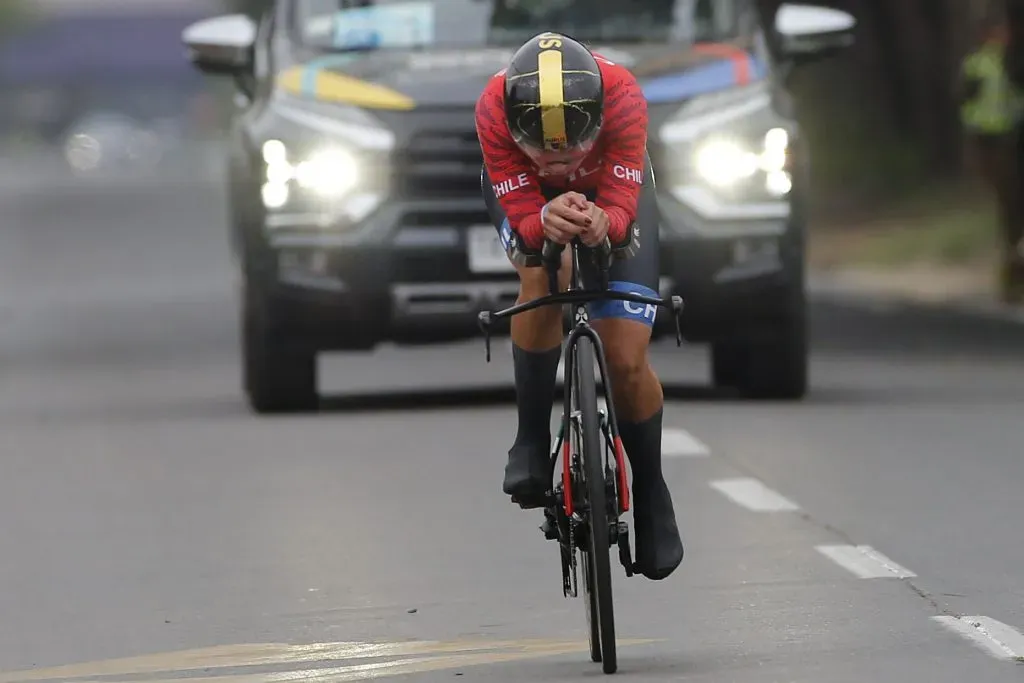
x=583, y=508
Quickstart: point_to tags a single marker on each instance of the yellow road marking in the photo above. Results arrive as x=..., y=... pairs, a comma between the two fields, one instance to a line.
x=438, y=655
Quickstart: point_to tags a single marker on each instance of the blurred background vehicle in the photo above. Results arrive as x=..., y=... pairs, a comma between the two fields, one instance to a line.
x=354, y=171
x=147, y=512
x=100, y=87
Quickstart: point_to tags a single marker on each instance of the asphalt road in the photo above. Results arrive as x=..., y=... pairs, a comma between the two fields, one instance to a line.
x=154, y=531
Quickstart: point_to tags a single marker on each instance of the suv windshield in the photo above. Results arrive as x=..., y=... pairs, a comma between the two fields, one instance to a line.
x=372, y=24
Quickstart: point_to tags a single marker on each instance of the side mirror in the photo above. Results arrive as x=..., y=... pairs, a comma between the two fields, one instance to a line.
x=808, y=33
x=221, y=45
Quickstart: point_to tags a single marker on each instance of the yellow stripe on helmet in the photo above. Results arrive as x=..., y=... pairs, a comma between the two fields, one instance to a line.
x=552, y=98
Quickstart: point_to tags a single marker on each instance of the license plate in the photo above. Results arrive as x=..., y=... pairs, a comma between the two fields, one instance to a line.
x=485, y=251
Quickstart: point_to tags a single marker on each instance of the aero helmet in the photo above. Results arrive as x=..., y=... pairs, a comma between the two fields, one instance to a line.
x=554, y=94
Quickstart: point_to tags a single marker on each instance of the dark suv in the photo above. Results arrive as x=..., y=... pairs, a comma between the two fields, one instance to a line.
x=355, y=203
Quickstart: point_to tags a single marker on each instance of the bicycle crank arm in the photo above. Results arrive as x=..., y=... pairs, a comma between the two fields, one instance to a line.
x=625, y=553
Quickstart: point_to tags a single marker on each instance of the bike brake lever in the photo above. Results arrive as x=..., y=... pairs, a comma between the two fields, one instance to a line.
x=677, y=310
x=484, y=318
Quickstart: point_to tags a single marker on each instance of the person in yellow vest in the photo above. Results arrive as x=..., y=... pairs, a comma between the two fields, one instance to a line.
x=991, y=111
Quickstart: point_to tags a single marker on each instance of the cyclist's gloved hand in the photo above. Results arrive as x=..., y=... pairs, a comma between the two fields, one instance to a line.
x=565, y=217
x=593, y=234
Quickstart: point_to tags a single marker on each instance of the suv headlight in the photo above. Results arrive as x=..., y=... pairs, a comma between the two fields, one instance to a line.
x=328, y=172
x=727, y=155
x=323, y=166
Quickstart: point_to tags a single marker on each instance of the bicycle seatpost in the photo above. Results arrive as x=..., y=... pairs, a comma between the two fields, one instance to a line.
x=551, y=256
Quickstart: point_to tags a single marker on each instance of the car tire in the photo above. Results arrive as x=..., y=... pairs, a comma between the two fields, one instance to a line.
x=278, y=377
x=726, y=363
x=772, y=367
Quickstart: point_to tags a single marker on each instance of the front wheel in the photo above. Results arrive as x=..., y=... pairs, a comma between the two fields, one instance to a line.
x=277, y=376
x=593, y=609
x=597, y=563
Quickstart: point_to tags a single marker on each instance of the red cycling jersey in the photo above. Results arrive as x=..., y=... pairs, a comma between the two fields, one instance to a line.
x=614, y=168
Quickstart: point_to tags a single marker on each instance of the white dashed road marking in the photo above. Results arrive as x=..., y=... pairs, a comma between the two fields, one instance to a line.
x=753, y=495
x=995, y=637
x=675, y=443
x=679, y=443
x=864, y=561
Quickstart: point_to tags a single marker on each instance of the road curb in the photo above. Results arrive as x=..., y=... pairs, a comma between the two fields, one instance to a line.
x=838, y=287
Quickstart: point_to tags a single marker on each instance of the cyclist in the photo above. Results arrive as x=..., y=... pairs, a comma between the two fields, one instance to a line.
x=563, y=133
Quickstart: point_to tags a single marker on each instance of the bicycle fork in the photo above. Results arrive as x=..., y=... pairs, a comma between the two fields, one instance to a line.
x=619, y=532
x=561, y=527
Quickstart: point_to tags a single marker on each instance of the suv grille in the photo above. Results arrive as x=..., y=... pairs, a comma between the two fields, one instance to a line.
x=440, y=164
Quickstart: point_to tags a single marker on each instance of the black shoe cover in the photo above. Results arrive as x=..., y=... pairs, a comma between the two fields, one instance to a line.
x=528, y=475
x=659, y=549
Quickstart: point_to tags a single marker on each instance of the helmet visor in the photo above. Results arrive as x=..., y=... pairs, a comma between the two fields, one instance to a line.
x=545, y=157
x=576, y=148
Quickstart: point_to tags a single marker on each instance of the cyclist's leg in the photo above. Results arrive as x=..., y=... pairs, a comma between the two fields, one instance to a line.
x=625, y=330
x=536, y=351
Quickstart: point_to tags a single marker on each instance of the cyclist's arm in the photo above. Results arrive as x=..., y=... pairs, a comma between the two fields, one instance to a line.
x=514, y=182
x=625, y=133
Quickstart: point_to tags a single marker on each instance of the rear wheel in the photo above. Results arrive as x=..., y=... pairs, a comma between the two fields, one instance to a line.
x=772, y=367
x=597, y=562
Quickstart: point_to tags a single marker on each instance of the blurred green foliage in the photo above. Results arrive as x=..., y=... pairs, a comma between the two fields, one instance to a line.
x=857, y=153
x=947, y=236
x=13, y=15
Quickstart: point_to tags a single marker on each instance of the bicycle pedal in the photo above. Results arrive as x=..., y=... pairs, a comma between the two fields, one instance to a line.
x=533, y=502
x=550, y=526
